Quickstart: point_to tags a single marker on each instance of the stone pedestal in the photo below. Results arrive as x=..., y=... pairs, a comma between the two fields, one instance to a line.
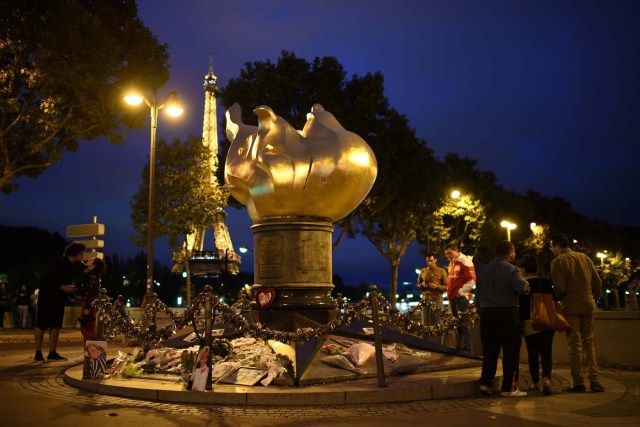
x=293, y=256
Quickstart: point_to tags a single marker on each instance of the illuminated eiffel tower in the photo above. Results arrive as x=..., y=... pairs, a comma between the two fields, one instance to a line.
x=222, y=259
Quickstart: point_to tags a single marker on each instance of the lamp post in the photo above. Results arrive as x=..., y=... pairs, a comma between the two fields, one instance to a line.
x=509, y=226
x=602, y=256
x=170, y=101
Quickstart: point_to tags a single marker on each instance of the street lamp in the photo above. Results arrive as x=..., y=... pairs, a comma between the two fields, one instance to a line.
x=243, y=249
x=455, y=194
x=170, y=102
x=509, y=226
x=602, y=256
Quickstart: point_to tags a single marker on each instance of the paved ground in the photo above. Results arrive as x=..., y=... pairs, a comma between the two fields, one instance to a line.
x=34, y=394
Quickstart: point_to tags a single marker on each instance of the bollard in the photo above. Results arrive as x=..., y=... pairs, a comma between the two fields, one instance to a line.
x=377, y=335
x=102, y=294
x=208, y=309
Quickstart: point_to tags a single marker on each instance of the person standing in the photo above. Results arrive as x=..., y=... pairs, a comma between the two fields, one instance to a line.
x=539, y=342
x=5, y=302
x=578, y=286
x=460, y=282
x=499, y=286
x=92, y=279
x=432, y=281
x=22, y=303
x=33, y=305
x=57, y=284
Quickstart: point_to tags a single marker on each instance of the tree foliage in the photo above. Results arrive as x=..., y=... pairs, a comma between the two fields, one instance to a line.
x=459, y=220
x=63, y=67
x=185, y=198
x=26, y=253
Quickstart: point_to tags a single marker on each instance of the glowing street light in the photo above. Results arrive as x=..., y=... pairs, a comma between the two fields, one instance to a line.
x=243, y=249
x=455, y=194
x=170, y=102
x=509, y=226
x=602, y=256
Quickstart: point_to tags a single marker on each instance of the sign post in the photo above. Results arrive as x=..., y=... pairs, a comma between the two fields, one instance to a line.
x=89, y=230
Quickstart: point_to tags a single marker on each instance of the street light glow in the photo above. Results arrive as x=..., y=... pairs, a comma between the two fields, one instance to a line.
x=174, y=109
x=509, y=226
x=133, y=99
x=455, y=194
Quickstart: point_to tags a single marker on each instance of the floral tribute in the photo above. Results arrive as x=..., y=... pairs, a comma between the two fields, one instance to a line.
x=250, y=351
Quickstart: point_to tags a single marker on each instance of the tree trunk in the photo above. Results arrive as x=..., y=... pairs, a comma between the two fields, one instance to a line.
x=394, y=282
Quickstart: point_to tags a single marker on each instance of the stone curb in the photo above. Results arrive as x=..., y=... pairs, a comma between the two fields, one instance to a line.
x=458, y=383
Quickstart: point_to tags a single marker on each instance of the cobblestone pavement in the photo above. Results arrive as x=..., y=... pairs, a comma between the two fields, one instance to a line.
x=47, y=380
x=628, y=405
x=22, y=383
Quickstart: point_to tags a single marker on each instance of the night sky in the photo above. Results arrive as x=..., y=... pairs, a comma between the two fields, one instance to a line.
x=545, y=94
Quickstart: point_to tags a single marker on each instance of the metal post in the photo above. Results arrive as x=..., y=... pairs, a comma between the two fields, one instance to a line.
x=153, y=106
x=152, y=164
x=373, y=289
x=187, y=269
x=102, y=294
x=208, y=305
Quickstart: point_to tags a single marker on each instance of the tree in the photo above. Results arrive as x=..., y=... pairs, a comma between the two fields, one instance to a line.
x=186, y=199
x=61, y=83
x=405, y=194
x=459, y=220
x=26, y=253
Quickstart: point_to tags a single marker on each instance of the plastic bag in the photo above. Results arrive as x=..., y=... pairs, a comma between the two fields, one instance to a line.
x=360, y=353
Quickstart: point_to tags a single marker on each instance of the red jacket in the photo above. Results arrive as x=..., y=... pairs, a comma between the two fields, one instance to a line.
x=461, y=278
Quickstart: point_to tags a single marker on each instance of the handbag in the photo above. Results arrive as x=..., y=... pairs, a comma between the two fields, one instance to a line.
x=545, y=313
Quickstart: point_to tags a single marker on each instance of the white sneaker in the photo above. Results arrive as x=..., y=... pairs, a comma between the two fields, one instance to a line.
x=514, y=393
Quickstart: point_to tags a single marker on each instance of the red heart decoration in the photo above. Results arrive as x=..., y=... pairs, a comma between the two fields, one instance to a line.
x=265, y=297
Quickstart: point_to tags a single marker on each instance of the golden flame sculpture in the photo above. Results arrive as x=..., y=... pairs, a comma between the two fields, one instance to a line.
x=275, y=170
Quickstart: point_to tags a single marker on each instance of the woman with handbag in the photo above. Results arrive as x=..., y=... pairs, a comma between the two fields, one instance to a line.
x=539, y=341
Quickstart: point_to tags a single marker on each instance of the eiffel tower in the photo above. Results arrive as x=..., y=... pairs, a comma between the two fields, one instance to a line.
x=222, y=259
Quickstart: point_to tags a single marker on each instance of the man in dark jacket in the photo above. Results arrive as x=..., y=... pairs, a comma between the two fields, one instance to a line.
x=498, y=288
x=57, y=284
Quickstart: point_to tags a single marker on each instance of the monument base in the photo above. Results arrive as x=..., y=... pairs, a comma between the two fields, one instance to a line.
x=293, y=256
